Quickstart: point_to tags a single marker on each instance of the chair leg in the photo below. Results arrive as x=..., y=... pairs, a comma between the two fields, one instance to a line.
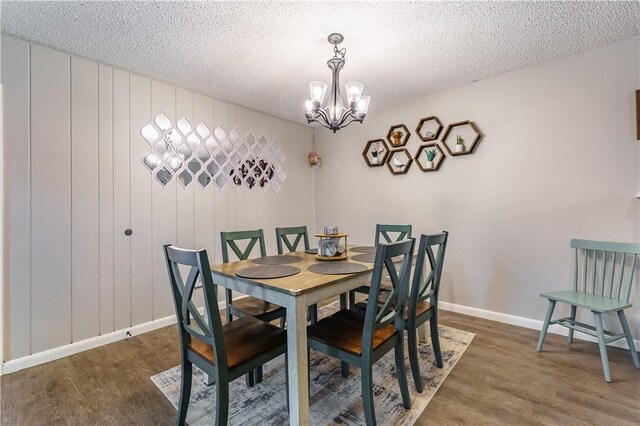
x=545, y=325
x=314, y=314
x=435, y=340
x=228, y=296
x=185, y=391
x=603, y=346
x=573, y=317
x=344, y=368
x=413, y=358
x=343, y=301
x=222, y=402
x=259, y=374
x=352, y=300
x=402, y=373
x=249, y=378
x=632, y=346
x=367, y=394
x=283, y=322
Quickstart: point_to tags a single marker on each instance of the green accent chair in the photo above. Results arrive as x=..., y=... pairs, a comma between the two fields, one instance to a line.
x=422, y=303
x=361, y=340
x=248, y=305
x=283, y=240
x=382, y=233
x=225, y=352
x=602, y=278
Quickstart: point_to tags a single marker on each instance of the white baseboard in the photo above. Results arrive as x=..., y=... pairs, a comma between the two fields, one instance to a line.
x=84, y=345
x=525, y=322
x=94, y=342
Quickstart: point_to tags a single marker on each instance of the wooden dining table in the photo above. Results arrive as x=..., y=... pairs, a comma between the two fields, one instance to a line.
x=295, y=293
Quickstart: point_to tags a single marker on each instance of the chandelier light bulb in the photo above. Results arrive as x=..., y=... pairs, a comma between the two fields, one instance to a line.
x=317, y=89
x=363, y=105
x=354, y=92
x=309, y=106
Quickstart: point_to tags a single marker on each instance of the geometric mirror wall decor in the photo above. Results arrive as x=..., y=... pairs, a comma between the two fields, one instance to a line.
x=186, y=153
x=461, y=138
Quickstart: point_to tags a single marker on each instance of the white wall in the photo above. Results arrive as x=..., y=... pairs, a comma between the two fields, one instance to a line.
x=558, y=160
x=74, y=182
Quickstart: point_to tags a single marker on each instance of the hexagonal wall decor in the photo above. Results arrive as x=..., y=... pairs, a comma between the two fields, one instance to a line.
x=398, y=136
x=463, y=140
x=375, y=153
x=429, y=157
x=399, y=161
x=429, y=128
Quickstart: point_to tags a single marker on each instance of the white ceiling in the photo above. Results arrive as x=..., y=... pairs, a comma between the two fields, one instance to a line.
x=263, y=55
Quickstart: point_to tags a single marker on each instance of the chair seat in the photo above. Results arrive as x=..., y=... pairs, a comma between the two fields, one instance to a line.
x=246, y=339
x=256, y=307
x=343, y=330
x=592, y=302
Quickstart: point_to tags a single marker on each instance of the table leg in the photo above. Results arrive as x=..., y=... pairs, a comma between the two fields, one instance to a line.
x=298, y=365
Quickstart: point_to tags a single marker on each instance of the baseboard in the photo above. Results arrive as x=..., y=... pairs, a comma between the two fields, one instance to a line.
x=84, y=345
x=94, y=342
x=525, y=322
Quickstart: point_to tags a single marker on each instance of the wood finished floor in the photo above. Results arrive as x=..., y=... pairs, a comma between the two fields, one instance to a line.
x=500, y=379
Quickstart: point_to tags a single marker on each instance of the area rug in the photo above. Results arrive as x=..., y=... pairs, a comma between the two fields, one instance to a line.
x=334, y=399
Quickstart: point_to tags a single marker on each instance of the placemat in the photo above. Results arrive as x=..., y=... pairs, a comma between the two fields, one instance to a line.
x=337, y=268
x=268, y=271
x=312, y=251
x=365, y=257
x=282, y=259
x=363, y=249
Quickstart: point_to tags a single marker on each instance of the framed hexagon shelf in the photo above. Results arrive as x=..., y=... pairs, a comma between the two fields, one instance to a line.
x=429, y=128
x=429, y=157
x=399, y=161
x=461, y=138
x=375, y=153
x=398, y=136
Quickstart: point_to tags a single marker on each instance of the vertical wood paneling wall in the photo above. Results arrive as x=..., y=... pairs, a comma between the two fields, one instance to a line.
x=74, y=182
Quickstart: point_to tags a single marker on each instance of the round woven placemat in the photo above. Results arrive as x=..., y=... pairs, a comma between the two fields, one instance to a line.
x=277, y=260
x=268, y=271
x=337, y=268
x=364, y=249
x=365, y=257
x=312, y=251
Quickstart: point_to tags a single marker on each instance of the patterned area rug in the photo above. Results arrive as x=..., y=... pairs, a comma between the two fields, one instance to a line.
x=334, y=399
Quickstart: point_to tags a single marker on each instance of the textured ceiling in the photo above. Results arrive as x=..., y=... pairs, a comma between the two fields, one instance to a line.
x=262, y=55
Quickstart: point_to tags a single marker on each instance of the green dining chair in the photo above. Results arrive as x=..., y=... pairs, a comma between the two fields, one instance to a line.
x=283, y=239
x=384, y=234
x=248, y=305
x=224, y=352
x=361, y=340
x=602, y=279
x=422, y=303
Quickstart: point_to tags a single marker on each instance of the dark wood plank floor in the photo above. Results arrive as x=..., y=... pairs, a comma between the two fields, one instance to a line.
x=499, y=380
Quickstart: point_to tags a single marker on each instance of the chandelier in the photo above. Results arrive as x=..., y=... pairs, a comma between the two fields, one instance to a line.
x=334, y=115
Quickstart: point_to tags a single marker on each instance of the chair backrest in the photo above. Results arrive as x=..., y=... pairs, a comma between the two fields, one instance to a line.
x=229, y=239
x=604, y=268
x=427, y=275
x=402, y=232
x=392, y=310
x=282, y=236
x=190, y=322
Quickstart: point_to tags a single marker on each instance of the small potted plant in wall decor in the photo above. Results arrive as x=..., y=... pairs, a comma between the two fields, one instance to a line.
x=459, y=144
x=431, y=155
